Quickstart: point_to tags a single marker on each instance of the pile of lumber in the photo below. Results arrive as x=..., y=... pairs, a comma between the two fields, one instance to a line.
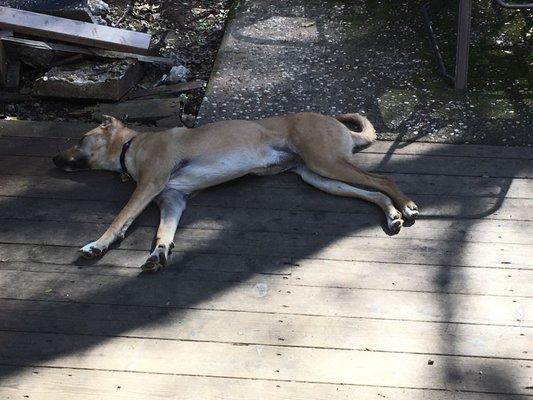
x=96, y=62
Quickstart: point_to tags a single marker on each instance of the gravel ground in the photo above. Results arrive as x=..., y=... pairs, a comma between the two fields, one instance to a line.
x=373, y=57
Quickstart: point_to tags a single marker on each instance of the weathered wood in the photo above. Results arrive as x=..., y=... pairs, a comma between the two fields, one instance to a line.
x=329, y=273
x=71, y=129
x=164, y=291
x=297, y=222
x=140, y=110
x=12, y=71
x=220, y=359
x=286, y=246
x=73, y=31
x=51, y=184
x=66, y=384
x=266, y=329
x=309, y=199
x=320, y=286
x=407, y=164
x=390, y=149
x=166, y=89
x=68, y=48
x=3, y=59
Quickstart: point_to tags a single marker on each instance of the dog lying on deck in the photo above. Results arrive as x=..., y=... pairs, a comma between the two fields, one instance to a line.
x=170, y=165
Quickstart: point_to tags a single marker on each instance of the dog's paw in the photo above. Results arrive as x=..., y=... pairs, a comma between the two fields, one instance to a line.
x=153, y=264
x=92, y=250
x=410, y=210
x=395, y=222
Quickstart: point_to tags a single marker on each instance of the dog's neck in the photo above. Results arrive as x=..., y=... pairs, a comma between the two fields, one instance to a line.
x=115, y=149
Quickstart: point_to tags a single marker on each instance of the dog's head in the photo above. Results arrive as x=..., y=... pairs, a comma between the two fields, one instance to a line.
x=97, y=149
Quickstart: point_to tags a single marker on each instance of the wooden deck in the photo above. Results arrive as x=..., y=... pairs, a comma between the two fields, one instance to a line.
x=277, y=291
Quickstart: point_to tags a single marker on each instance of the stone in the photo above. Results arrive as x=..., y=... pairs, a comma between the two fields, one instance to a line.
x=178, y=73
x=90, y=80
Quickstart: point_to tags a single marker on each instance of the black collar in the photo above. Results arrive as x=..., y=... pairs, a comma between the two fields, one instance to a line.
x=125, y=148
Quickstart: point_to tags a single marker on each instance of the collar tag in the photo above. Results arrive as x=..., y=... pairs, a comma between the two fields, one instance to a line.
x=124, y=177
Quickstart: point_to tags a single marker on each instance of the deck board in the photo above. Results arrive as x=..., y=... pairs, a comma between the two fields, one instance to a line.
x=275, y=289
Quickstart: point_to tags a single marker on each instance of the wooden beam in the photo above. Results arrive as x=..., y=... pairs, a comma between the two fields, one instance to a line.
x=68, y=48
x=166, y=89
x=73, y=31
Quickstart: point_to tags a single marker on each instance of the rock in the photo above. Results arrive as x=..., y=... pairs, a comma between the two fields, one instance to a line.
x=177, y=74
x=98, y=7
x=90, y=80
x=188, y=120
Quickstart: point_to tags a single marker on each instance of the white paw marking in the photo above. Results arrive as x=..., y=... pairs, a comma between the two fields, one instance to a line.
x=395, y=221
x=93, y=249
x=410, y=211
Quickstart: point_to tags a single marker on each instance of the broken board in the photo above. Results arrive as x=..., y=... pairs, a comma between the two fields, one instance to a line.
x=68, y=48
x=140, y=110
x=73, y=31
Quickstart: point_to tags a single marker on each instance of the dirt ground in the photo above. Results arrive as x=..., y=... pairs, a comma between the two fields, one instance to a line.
x=187, y=31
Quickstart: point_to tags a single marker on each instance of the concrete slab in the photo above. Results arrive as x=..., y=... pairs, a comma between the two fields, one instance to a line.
x=90, y=80
x=343, y=56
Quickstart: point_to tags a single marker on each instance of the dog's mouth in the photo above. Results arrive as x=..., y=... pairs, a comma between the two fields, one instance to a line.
x=71, y=163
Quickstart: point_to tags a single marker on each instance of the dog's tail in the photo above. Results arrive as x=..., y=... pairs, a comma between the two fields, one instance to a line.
x=367, y=133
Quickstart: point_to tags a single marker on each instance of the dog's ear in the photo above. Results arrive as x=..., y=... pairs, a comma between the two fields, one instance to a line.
x=111, y=123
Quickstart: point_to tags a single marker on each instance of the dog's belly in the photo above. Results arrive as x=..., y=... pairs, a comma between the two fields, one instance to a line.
x=215, y=169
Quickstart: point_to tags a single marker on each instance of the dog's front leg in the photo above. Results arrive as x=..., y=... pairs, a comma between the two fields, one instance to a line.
x=171, y=204
x=141, y=197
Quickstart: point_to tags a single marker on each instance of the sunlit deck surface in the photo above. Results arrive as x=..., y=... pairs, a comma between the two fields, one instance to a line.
x=276, y=290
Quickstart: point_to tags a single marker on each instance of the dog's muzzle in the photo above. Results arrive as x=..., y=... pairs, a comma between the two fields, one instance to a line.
x=71, y=161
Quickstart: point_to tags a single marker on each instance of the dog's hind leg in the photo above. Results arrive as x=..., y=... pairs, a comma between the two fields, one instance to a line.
x=394, y=217
x=171, y=205
x=345, y=169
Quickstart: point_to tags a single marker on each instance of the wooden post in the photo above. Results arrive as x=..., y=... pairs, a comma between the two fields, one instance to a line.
x=463, y=43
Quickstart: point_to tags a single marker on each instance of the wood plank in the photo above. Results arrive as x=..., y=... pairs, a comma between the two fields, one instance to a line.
x=265, y=362
x=66, y=384
x=267, y=329
x=70, y=129
x=68, y=48
x=332, y=273
x=409, y=251
x=160, y=108
x=162, y=291
x=167, y=89
x=78, y=32
x=140, y=110
x=297, y=222
x=307, y=198
x=302, y=199
x=506, y=168
x=450, y=150
x=56, y=181
x=290, y=246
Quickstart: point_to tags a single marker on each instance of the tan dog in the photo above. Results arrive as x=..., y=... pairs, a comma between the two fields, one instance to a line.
x=170, y=165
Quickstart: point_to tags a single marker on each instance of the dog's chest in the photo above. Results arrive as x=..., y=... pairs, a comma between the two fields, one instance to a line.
x=211, y=170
